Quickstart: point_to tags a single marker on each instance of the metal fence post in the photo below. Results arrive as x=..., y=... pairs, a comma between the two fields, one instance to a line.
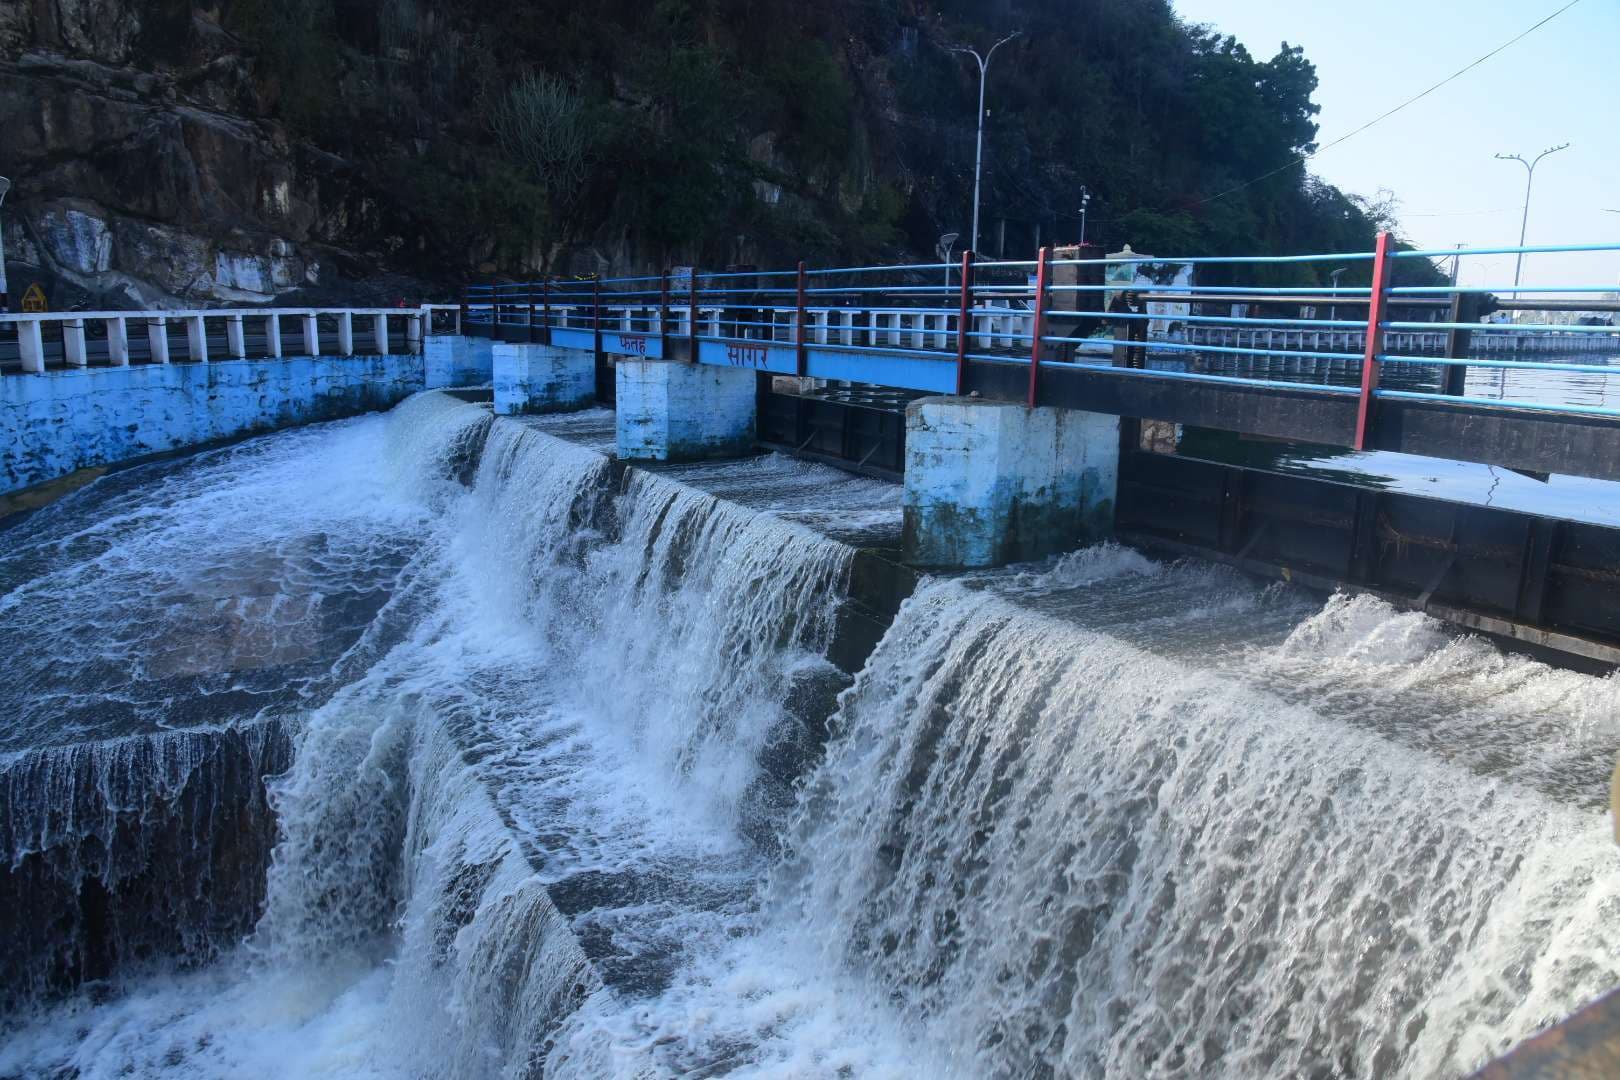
x=545, y=301
x=692, y=323
x=528, y=325
x=963, y=315
x=1465, y=308
x=663, y=314
x=801, y=353
x=1375, y=338
x=1038, y=324
x=464, y=312
x=596, y=317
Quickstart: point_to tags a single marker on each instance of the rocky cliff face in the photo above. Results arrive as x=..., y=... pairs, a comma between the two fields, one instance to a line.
x=144, y=175
x=173, y=153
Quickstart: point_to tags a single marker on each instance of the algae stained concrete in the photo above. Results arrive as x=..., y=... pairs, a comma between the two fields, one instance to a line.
x=670, y=410
x=56, y=423
x=991, y=482
x=453, y=360
x=537, y=379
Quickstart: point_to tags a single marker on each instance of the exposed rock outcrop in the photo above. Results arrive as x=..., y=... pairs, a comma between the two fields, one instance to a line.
x=144, y=177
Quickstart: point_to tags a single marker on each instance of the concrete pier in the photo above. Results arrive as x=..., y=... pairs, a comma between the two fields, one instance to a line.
x=534, y=379
x=454, y=360
x=669, y=410
x=992, y=482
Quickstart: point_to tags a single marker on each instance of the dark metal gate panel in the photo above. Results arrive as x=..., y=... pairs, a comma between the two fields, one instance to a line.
x=1538, y=579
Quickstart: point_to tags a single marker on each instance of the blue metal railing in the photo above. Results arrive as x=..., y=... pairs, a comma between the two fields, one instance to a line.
x=1105, y=312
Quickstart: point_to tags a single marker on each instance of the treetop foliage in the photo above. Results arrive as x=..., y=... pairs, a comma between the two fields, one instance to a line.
x=768, y=130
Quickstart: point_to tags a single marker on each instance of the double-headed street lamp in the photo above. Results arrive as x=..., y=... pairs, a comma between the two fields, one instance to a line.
x=978, y=154
x=1530, y=178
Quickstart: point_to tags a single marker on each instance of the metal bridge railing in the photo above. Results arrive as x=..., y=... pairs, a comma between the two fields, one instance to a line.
x=1139, y=315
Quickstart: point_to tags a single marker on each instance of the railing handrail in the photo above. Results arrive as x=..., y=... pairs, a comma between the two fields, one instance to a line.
x=212, y=313
x=919, y=312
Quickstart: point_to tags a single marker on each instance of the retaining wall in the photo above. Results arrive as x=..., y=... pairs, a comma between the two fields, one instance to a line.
x=56, y=423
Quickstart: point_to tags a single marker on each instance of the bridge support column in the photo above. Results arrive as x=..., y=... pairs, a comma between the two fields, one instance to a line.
x=537, y=379
x=991, y=482
x=669, y=410
x=455, y=360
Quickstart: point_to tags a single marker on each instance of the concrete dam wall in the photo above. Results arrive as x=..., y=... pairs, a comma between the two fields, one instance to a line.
x=584, y=768
x=58, y=422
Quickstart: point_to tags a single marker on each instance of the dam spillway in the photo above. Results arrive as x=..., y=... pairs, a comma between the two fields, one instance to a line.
x=433, y=743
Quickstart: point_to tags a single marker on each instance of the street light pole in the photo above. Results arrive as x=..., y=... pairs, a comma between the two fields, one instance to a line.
x=978, y=153
x=943, y=250
x=5, y=299
x=1529, y=179
x=1085, y=201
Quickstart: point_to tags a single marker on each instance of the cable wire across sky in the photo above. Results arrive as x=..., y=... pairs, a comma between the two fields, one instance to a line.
x=1303, y=158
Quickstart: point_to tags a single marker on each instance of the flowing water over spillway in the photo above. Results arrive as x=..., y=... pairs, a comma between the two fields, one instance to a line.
x=563, y=782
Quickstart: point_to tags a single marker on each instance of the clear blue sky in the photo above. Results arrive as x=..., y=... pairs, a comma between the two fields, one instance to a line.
x=1561, y=84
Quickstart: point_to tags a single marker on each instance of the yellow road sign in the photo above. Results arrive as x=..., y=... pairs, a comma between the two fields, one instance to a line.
x=33, y=301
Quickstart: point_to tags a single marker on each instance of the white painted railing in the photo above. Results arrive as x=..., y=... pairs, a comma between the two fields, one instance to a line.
x=380, y=330
x=1486, y=339
x=993, y=326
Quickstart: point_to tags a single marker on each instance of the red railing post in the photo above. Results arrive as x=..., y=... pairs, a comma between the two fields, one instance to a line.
x=1382, y=267
x=663, y=314
x=802, y=354
x=528, y=326
x=1038, y=324
x=963, y=315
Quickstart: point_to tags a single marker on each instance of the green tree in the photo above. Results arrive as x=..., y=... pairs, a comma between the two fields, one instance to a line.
x=542, y=127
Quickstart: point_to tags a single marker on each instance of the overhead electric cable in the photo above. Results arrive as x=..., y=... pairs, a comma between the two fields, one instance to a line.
x=1379, y=119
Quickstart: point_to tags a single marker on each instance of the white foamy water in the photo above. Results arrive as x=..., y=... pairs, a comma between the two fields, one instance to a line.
x=559, y=804
x=1081, y=853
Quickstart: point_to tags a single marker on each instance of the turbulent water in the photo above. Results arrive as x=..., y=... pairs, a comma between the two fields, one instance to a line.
x=516, y=764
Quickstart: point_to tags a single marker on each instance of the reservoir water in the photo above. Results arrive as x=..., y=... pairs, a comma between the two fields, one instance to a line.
x=422, y=745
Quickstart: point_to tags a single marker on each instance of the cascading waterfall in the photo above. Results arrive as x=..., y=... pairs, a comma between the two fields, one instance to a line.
x=137, y=847
x=563, y=783
x=165, y=629
x=1070, y=853
x=553, y=753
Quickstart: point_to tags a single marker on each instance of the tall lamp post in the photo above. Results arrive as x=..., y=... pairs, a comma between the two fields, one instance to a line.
x=1085, y=201
x=978, y=153
x=1529, y=179
x=5, y=299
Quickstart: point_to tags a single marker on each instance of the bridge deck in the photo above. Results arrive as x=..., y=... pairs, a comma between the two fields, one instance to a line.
x=1410, y=366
